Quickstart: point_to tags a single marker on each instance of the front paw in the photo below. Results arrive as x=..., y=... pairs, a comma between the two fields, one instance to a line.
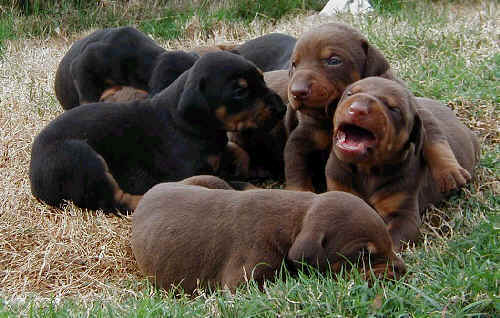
x=450, y=178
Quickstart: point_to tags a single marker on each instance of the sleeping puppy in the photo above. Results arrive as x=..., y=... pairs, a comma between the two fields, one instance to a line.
x=377, y=153
x=269, y=52
x=200, y=233
x=106, y=155
x=116, y=56
x=324, y=62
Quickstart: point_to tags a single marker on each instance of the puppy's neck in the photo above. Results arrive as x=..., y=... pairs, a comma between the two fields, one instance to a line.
x=165, y=105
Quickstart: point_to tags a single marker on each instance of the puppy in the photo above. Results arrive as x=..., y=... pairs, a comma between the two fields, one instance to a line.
x=324, y=62
x=106, y=155
x=258, y=153
x=269, y=52
x=377, y=153
x=209, y=235
x=116, y=56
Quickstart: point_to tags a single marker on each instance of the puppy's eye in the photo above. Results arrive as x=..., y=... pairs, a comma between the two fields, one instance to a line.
x=334, y=60
x=348, y=93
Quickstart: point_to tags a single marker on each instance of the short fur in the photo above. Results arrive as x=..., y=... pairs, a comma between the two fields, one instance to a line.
x=116, y=56
x=105, y=155
x=378, y=152
x=269, y=52
x=324, y=62
x=257, y=153
x=190, y=236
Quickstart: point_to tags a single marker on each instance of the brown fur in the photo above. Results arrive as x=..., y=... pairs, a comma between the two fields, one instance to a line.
x=191, y=236
x=120, y=94
x=202, y=50
x=325, y=61
x=384, y=163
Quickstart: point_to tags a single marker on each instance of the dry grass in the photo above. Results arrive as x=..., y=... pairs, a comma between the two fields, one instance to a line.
x=51, y=253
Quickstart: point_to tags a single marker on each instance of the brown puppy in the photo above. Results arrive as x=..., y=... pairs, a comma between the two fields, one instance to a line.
x=256, y=153
x=377, y=152
x=324, y=62
x=190, y=236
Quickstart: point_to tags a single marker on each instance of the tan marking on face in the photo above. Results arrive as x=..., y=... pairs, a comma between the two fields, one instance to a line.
x=260, y=71
x=326, y=53
x=386, y=204
x=221, y=113
x=214, y=162
x=242, y=83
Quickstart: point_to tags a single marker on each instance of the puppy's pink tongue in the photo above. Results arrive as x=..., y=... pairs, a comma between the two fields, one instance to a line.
x=354, y=139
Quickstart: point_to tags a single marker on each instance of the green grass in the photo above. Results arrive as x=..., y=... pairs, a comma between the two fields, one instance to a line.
x=460, y=280
x=162, y=18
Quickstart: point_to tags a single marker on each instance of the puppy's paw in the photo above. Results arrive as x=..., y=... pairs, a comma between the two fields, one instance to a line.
x=450, y=178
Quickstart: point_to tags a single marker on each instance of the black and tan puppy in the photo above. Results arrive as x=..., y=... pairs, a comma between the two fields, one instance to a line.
x=116, y=56
x=269, y=52
x=258, y=153
x=209, y=235
x=324, y=62
x=105, y=155
x=377, y=152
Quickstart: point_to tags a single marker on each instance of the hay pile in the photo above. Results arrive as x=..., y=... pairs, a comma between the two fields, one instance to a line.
x=51, y=253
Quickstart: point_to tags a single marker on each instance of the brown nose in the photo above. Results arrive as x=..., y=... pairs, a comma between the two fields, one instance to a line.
x=358, y=109
x=300, y=90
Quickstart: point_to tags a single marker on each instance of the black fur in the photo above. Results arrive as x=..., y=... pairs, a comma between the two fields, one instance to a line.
x=116, y=56
x=166, y=138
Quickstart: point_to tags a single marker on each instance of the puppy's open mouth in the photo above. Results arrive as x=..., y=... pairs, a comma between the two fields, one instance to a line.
x=354, y=139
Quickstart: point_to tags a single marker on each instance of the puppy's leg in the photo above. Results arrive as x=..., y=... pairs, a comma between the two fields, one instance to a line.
x=238, y=159
x=400, y=212
x=444, y=167
x=72, y=170
x=302, y=142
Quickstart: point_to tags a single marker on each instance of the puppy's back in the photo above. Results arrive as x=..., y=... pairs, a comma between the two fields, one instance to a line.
x=182, y=233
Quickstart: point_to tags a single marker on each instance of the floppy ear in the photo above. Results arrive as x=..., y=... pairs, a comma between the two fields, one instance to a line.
x=416, y=135
x=375, y=63
x=193, y=105
x=308, y=248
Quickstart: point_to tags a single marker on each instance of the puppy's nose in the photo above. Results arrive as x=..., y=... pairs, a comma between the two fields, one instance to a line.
x=358, y=109
x=300, y=90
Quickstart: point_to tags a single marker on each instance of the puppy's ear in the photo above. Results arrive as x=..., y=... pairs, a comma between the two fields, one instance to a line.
x=308, y=248
x=193, y=105
x=375, y=63
x=416, y=136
